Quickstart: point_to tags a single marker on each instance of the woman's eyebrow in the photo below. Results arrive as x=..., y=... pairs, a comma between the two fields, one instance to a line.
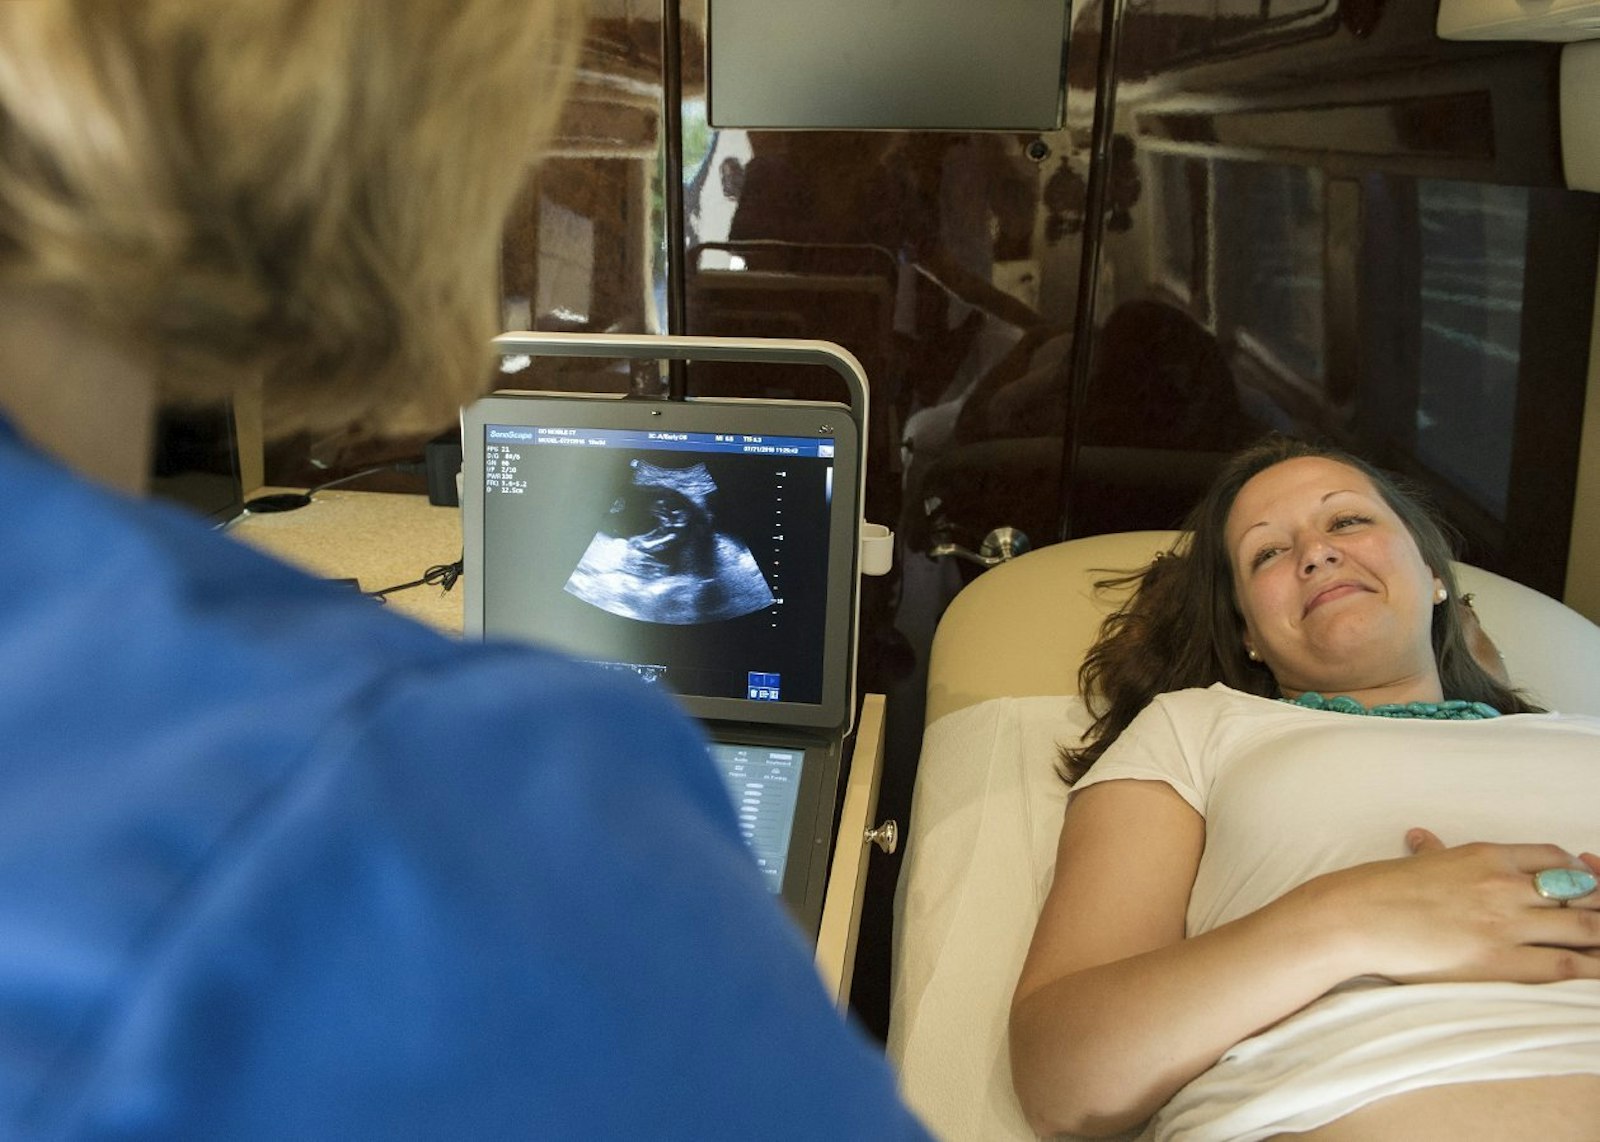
x=1326, y=497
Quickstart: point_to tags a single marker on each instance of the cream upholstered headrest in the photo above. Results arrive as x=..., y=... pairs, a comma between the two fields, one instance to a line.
x=1023, y=627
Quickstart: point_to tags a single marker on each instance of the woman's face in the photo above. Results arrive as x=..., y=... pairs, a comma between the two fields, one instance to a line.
x=1334, y=592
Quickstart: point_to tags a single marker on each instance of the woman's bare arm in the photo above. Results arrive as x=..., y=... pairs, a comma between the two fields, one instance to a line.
x=1115, y=1009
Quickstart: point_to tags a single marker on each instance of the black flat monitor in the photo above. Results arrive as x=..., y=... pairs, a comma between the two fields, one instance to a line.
x=951, y=65
x=194, y=460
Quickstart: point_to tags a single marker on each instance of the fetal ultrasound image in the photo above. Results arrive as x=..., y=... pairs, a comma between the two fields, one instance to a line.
x=659, y=557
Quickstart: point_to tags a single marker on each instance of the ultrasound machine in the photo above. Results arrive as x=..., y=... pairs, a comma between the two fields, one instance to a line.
x=711, y=547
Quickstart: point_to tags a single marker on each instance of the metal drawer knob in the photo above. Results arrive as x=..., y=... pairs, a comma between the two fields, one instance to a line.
x=886, y=836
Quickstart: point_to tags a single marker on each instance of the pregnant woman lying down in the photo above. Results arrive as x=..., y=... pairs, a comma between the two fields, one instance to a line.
x=1321, y=874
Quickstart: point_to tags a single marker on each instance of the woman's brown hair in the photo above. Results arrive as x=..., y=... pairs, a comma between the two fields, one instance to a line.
x=1181, y=627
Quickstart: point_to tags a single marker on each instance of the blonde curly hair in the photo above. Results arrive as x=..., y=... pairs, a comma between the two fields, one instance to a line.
x=308, y=194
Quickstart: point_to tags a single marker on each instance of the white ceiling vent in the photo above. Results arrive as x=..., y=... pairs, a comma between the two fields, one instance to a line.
x=1560, y=20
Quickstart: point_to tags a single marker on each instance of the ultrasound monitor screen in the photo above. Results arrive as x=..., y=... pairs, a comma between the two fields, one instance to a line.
x=696, y=560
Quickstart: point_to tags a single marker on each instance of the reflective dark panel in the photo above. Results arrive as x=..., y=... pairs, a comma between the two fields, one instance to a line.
x=1350, y=231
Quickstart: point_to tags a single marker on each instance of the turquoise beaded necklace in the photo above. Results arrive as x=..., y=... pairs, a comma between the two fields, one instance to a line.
x=1452, y=709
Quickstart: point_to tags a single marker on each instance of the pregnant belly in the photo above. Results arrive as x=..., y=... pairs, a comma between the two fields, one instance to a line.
x=1560, y=1108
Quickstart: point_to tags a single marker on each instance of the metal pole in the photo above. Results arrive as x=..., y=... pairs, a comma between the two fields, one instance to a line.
x=672, y=127
x=1094, y=208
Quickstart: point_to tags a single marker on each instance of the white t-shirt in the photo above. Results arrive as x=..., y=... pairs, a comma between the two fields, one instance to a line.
x=1288, y=794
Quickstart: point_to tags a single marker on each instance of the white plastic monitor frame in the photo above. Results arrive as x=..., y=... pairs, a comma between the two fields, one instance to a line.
x=868, y=551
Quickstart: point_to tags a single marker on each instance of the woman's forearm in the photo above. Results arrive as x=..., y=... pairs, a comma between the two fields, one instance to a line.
x=1100, y=1050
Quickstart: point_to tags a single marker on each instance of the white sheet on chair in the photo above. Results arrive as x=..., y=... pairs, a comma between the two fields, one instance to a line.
x=984, y=823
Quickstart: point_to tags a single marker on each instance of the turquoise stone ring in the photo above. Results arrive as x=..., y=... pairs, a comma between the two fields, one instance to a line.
x=1563, y=884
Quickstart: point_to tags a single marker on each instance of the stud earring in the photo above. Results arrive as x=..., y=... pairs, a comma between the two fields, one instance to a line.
x=1250, y=653
x=1440, y=595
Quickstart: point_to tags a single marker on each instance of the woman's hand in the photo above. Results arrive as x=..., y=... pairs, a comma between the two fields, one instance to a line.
x=1468, y=912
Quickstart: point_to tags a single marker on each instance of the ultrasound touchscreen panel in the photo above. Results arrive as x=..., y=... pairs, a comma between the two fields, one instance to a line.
x=697, y=560
x=765, y=786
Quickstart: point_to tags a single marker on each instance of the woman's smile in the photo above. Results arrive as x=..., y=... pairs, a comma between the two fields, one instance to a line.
x=1334, y=591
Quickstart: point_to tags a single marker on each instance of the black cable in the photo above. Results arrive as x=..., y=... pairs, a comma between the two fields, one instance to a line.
x=442, y=574
x=414, y=467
